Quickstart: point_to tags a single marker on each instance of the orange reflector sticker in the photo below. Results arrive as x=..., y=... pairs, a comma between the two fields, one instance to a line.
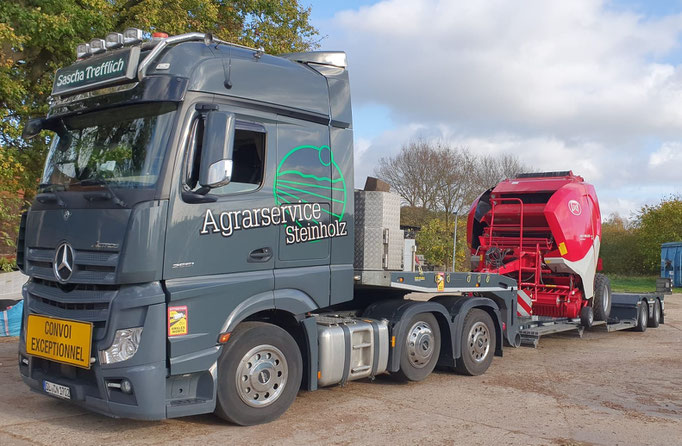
x=392, y=341
x=319, y=375
x=224, y=338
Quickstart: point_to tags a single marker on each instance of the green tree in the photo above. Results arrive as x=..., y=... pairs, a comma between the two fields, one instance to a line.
x=658, y=224
x=619, y=250
x=39, y=36
x=434, y=242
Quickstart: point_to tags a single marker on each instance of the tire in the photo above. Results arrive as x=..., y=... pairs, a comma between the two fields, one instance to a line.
x=259, y=374
x=586, y=316
x=655, y=320
x=601, y=302
x=642, y=317
x=421, y=348
x=478, y=343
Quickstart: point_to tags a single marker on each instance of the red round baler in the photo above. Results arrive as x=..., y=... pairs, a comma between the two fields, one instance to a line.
x=544, y=230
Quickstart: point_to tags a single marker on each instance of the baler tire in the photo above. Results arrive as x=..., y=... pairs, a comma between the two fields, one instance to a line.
x=478, y=328
x=420, y=349
x=601, y=302
x=655, y=319
x=586, y=316
x=257, y=349
x=642, y=317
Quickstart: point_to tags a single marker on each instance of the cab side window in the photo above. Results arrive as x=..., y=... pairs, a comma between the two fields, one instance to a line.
x=248, y=159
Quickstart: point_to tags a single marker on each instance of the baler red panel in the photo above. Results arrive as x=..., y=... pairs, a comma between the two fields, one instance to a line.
x=571, y=216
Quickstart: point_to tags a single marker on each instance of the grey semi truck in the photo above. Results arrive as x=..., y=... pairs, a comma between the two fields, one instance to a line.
x=197, y=244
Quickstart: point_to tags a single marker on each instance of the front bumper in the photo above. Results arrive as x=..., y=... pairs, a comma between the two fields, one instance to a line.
x=130, y=306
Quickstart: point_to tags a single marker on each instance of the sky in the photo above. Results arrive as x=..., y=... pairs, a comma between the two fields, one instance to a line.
x=592, y=86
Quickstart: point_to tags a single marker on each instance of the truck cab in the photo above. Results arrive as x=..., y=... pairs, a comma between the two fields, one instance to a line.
x=189, y=183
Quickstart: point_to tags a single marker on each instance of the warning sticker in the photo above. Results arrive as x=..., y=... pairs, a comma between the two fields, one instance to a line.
x=562, y=248
x=177, y=321
x=440, y=280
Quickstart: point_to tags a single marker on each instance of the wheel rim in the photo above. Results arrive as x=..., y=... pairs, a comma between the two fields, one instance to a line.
x=479, y=342
x=420, y=344
x=605, y=301
x=261, y=376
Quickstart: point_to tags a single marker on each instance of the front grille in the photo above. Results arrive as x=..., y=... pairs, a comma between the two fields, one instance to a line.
x=90, y=267
x=88, y=303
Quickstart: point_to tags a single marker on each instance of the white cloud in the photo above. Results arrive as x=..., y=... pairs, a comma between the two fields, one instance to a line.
x=562, y=84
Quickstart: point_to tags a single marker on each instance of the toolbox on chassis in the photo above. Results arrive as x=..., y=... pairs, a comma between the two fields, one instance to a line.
x=193, y=246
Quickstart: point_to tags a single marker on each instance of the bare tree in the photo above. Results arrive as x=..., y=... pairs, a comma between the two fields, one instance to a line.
x=437, y=176
x=410, y=173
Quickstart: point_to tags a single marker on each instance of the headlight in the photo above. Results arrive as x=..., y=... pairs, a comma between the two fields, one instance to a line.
x=125, y=346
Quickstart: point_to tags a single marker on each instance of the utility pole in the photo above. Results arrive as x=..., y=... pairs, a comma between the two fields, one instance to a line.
x=454, y=244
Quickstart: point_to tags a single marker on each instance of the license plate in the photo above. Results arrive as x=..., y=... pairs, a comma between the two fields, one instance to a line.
x=57, y=390
x=59, y=340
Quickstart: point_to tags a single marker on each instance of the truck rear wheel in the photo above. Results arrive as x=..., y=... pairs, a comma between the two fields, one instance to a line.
x=421, y=348
x=642, y=317
x=259, y=374
x=601, y=302
x=655, y=319
x=478, y=343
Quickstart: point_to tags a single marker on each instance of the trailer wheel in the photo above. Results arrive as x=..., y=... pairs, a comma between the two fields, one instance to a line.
x=655, y=319
x=642, y=317
x=421, y=348
x=586, y=317
x=259, y=374
x=478, y=343
x=601, y=302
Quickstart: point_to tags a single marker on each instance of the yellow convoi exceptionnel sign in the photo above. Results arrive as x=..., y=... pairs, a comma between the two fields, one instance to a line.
x=59, y=340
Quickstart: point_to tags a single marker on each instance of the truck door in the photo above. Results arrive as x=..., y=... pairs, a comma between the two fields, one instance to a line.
x=222, y=251
x=304, y=179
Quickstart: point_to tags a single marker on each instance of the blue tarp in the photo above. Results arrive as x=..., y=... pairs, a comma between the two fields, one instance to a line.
x=10, y=319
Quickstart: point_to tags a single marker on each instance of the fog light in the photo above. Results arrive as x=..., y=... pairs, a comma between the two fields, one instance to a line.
x=126, y=386
x=126, y=343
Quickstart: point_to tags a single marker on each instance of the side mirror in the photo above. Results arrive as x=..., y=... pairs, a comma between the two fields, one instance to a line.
x=33, y=127
x=216, y=151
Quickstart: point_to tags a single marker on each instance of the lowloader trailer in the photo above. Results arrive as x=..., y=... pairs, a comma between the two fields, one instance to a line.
x=197, y=244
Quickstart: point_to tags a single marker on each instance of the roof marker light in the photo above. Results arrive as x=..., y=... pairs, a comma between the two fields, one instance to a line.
x=83, y=50
x=97, y=46
x=131, y=36
x=158, y=36
x=114, y=40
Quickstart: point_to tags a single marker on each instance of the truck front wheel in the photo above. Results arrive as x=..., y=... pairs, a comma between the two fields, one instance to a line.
x=259, y=374
x=421, y=348
x=478, y=343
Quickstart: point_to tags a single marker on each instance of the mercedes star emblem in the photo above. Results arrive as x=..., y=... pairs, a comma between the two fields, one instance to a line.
x=63, y=262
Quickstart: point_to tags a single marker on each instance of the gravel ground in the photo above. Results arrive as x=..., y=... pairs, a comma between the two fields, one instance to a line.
x=622, y=388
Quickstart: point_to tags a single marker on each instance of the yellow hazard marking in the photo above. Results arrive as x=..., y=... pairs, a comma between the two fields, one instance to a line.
x=177, y=321
x=562, y=249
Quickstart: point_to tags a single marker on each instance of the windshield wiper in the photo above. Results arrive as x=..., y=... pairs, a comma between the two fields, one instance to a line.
x=99, y=181
x=48, y=194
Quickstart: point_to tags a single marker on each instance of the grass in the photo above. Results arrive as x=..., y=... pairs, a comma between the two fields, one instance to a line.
x=633, y=284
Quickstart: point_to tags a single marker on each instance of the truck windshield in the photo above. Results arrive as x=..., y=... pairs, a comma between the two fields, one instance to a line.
x=121, y=147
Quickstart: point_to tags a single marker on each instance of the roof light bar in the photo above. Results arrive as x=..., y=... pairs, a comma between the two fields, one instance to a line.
x=114, y=40
x=83, y=50
x=97, y=46
x=132, y=36
x=158, y=36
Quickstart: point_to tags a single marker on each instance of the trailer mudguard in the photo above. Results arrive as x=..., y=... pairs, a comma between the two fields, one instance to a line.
x=459, y=306
x=399, y=313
